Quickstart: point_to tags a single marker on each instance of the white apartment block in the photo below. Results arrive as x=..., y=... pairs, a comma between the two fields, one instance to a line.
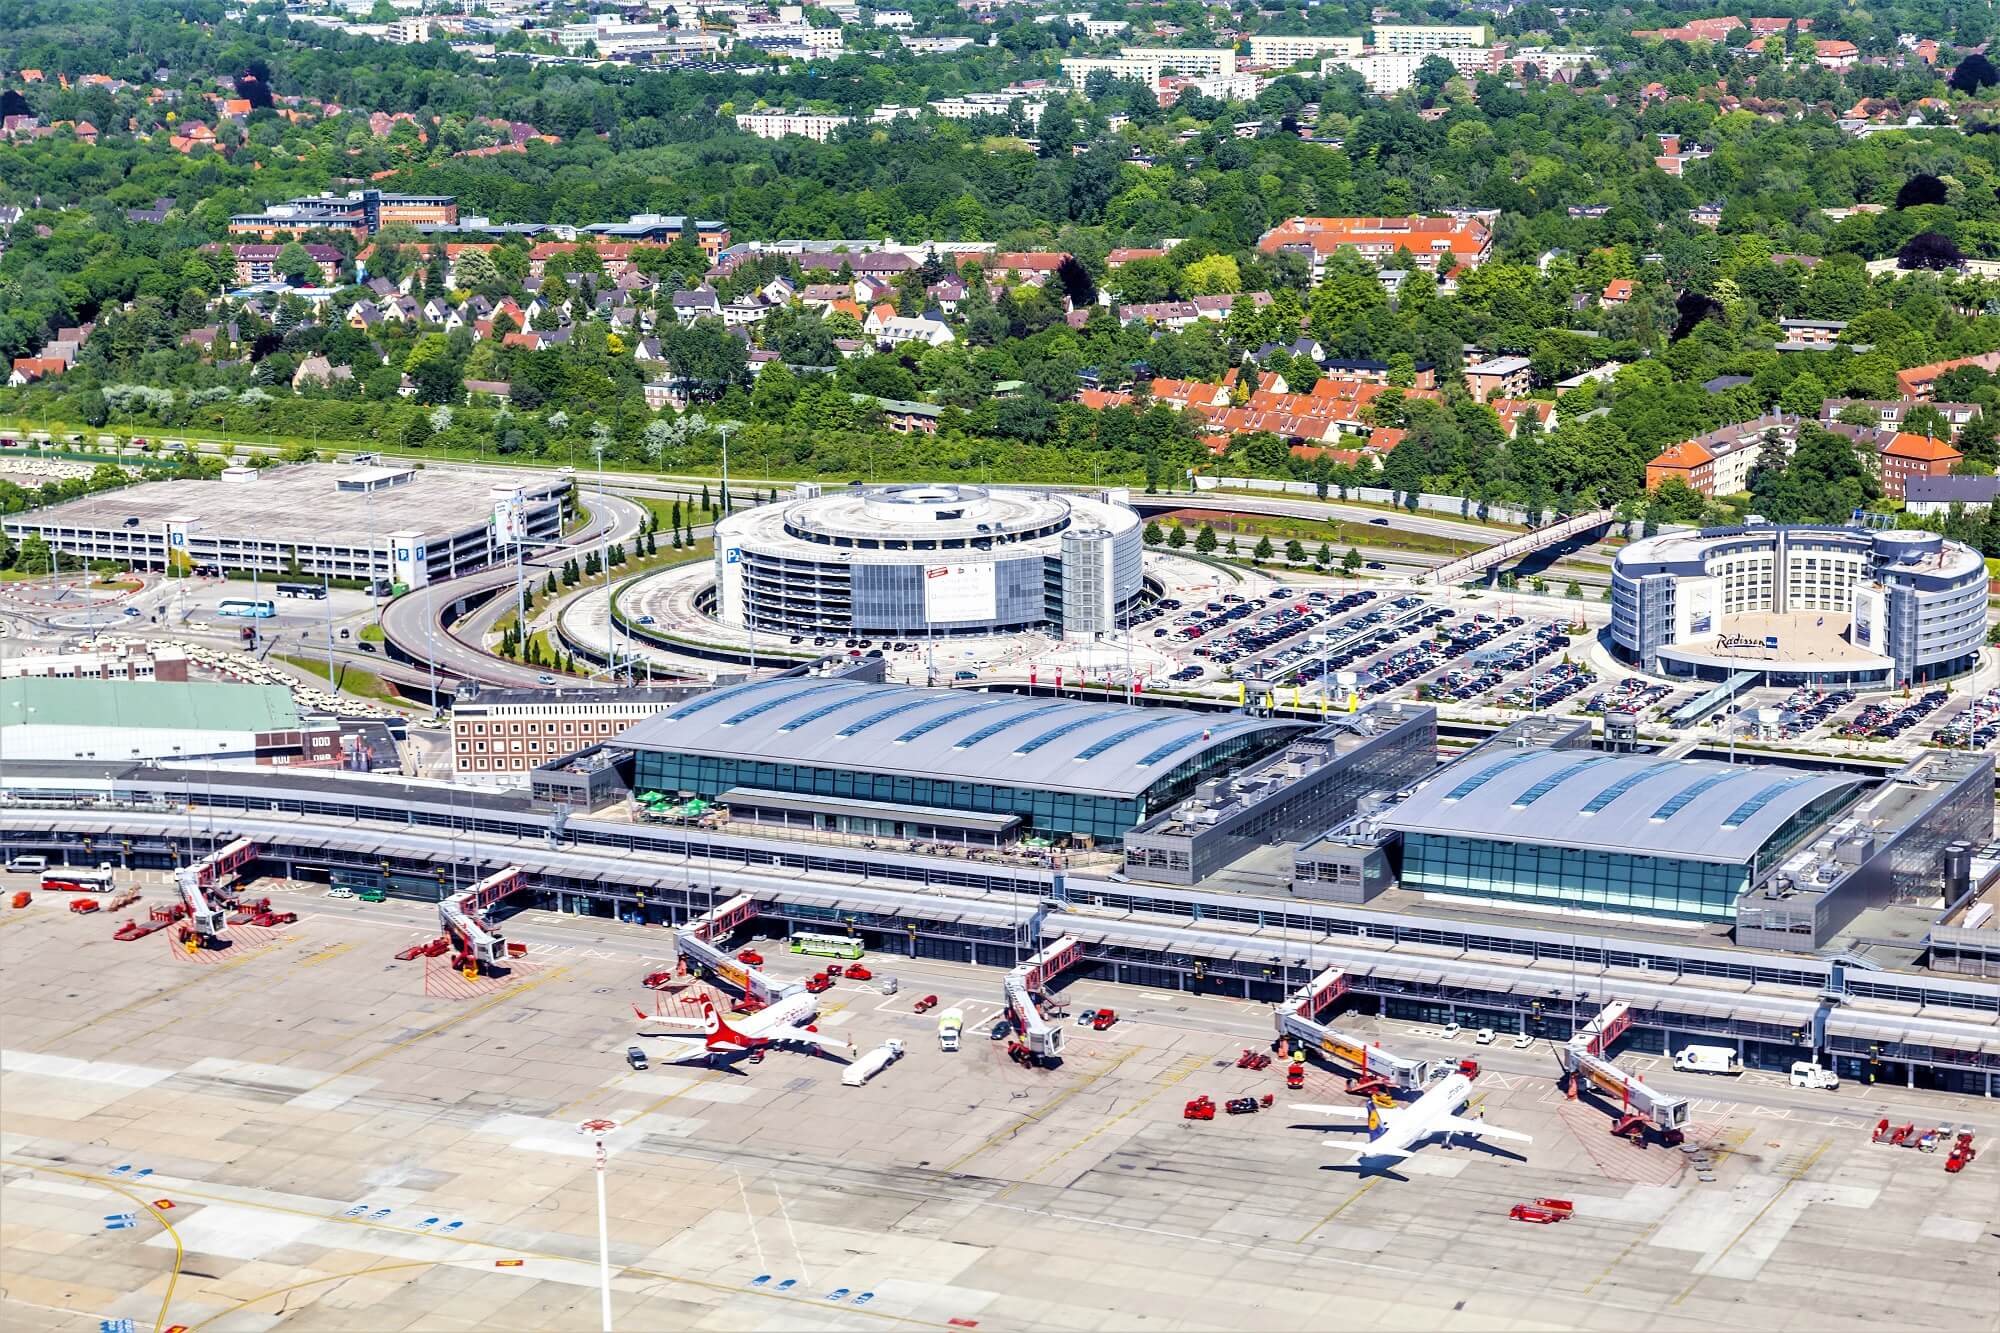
x=968, y=106
x=1426, y=36
x=804, y=36
x=1389, y=73
x=1098, y=29
x=410, y=31
x=902, y=20
x=812, y=125
x=935, y=46
x=1282, y=51
x=1189, y=60
x=1078, y=69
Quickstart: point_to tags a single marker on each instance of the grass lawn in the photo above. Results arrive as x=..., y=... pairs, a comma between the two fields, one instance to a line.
x=372, y=634
x=1337, y=533
x=348, y=679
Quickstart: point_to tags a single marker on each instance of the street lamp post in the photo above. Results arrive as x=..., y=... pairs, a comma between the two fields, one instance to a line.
x=597, y=1129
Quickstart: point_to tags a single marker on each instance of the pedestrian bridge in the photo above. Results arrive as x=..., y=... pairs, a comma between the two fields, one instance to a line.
x=1553, y=534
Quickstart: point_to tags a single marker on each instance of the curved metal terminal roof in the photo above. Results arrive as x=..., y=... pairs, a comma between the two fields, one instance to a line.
x=1058, y=745
x=1692, y=808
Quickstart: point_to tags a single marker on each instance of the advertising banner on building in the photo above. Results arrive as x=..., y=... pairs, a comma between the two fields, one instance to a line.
x=959, y=594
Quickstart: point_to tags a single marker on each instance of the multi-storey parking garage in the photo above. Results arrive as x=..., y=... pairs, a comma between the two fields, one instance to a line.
x=1800, y=605
x=404, y=525
x=1901, y=1024
x=924, y=561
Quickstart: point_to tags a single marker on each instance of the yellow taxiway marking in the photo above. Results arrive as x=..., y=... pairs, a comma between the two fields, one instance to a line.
x=1036, y=1116
x=491, y=1002
x=1187, y=1067
x=1792, y=1178
x=1338, y=1209
x=173, y=1278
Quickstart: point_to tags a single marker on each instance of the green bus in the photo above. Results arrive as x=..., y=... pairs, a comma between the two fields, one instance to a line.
x=827, y=946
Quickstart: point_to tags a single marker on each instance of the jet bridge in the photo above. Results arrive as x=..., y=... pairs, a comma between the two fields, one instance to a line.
x=1044, y=1038
x=698, y=945
x=1374, y=1068
x=202, y=883
x=1583, y=1061
x=462, y=916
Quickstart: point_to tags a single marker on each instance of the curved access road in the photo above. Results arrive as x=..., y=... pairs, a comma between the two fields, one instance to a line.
x=417, y=625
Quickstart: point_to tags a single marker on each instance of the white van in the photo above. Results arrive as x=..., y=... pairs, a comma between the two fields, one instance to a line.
x=28, y=865
x=1805, y=1074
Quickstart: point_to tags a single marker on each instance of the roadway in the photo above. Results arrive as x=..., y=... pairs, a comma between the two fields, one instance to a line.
x=414, y=625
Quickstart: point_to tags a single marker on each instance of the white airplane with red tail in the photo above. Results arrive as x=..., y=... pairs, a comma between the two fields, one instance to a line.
x=786, y=1024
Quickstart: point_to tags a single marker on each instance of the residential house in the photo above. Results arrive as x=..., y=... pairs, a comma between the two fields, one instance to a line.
x=1616, y=292
x=28, y=369
x=701, y=303
x=1889, y=413
x=1719, y=462
x=316, y=369
x=1928, y=496
x=1439, y=245
x=1911, y=455
x=498, y=389
x=1918, y=383
x=1172, y=315
x=1501, y=376
x=1809, y=335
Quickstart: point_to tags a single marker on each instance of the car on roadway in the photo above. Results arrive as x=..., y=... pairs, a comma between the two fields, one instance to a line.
x=1373, y=564
x=635, y=1057
x=544, y=679
x=131, y=610
x=818, y=983
x=750, y=956
x=1379, y=522
x=856, y=972
x=647, y=620
x=1522, y=1041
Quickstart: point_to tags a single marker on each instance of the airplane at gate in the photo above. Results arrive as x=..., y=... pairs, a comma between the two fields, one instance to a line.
x=781, y=1025
x=1401, y=1131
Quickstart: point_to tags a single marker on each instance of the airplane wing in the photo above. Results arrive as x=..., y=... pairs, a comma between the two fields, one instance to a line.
x=1340, y=1112
x=666, y=1023
x=816, y=1041
x=1459, y=1124
x=1364, y=1151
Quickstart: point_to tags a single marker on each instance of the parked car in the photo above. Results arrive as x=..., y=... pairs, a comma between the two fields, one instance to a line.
x=856, y=972
x=1522, y=1041
x=750, y=956
x=1484, y=1037
x=926, y=1004
x=1104, y=1019
x=1086, y=1018
x=1450, y=1032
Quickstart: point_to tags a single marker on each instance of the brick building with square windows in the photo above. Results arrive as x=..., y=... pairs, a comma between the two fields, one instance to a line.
x=503, y=734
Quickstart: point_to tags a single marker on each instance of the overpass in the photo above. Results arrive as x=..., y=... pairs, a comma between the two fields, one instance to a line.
x=1541, y=539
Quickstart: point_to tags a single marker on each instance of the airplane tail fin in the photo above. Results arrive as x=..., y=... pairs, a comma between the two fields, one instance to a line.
x=1375, y=1126
x=719, y=1033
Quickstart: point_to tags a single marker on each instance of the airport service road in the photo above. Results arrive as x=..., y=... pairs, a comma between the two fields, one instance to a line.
x=348, y=1142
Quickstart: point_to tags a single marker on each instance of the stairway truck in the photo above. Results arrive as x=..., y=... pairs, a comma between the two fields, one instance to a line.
x=871, y=1064
x=1708, y=1060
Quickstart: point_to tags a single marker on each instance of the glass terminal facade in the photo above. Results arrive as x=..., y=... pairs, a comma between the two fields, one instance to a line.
x=1075, y=816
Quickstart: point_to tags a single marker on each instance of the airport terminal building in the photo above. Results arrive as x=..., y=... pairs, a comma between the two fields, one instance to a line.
x=1837, y=607
x=406, y=525
x=929, y=560
x=901, y=761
